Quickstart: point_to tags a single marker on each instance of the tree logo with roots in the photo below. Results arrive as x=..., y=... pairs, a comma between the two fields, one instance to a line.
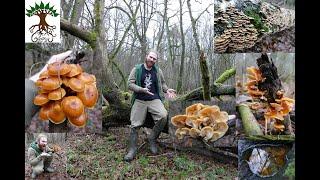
x=42, y=31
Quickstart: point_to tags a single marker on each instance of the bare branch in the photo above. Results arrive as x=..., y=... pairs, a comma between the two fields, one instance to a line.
x=77, y=31
x=206, y=10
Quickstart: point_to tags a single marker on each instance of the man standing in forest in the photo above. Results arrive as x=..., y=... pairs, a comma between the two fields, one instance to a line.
x=146, y=81
x=40, y=156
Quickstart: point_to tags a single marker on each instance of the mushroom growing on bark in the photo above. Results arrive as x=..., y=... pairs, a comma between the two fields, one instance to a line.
x=264, y=86
x=201, y=121
x=65, y=91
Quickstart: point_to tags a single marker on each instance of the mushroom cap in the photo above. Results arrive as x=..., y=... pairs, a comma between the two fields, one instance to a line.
x=255, y=92
x=44, y=74
x=39, y=82
x=76, y=84
x=221, y=127
x=44, y=111
x=51, y=83
x=42, y=91
x=79, y=121
x=286, y=108
x=56, y=114
x=216, y=135
x=189, y=120
x=206, y=133
x=207, y=121
x=273, y=114
x=57, y=94
x=277, y=106
x=58, y=68
x=222, y=117
x=72, y=106
x=179, y=120
x=75, y=70
x=251, y=82
x=254, y=73
x=279, y=127
x=89, y=96
x=194, y=132
x=197, y=123
x=181, y=132
x=194, y=109
x=289, y=100
x=65, y=81
x=87, y=78
x=210, y=111
x=41, y=99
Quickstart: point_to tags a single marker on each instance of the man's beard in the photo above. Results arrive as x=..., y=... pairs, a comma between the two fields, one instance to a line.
x=42, y=147
x=149, y=63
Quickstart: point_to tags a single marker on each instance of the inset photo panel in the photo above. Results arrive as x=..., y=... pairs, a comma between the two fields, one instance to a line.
x=266, y=106
x=266, y=94
x=62, y=91
x=45, y=156
x=254, y=26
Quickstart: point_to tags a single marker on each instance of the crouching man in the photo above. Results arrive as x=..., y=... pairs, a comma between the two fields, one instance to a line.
x=40, y=156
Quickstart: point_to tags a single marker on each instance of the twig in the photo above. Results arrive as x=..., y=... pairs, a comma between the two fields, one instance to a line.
x=220, y=151
x=162, y=154
x=141, y=145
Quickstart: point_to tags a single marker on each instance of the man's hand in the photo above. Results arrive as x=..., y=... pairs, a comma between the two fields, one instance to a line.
x=146, y=90
x=171, y=93
x=44, y=154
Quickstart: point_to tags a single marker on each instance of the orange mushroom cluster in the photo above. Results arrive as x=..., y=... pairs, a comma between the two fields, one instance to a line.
x=274, y=112
x=254, y=77
x=64, y=91
x=203, y=121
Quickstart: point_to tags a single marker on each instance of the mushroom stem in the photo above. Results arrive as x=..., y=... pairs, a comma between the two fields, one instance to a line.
x=266, y=126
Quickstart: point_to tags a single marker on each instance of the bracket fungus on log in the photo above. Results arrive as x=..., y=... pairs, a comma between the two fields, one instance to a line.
x=201, y=121
x=240, y=25
x=238, y=34
x=64, y=92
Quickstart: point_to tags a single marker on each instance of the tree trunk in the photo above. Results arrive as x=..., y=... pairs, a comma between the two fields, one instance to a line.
x=179, y=83
x=249, y=122
x=205, y=77
x=272, y=82
x=74, y=19
x=58, y=128
x=166, y=20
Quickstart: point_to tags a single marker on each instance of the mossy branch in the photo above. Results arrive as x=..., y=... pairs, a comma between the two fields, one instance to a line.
x=225, y=76
x=249, y=122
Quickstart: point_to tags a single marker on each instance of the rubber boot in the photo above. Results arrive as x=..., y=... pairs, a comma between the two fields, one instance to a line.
x=133, y=145
x=156, y=130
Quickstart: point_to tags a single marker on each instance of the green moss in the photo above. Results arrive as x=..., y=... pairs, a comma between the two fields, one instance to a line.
x=93, y=38
x=126, y=96
x=290, y=171
x=257, y=19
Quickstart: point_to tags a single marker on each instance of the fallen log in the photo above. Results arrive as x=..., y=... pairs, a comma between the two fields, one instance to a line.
x=216, y=89
x=249, y=122
x=269, y=138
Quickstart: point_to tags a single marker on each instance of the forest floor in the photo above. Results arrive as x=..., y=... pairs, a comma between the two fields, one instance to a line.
x=59, y=163
x=94, y=156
